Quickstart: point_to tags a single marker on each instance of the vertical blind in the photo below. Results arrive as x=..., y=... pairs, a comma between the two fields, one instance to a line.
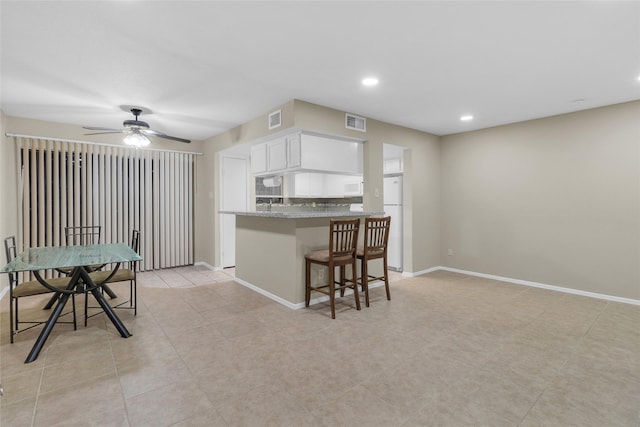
x=67, y=183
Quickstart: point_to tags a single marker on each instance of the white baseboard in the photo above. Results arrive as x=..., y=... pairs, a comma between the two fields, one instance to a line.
x=421, y=272
x=296, y=306
x=4, y=291
x=269, y=295
x=542, y=285
x=210, y=267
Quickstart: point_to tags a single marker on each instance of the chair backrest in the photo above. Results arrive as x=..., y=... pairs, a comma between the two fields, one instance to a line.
x=376, y=234
x=343, y=239
x=135, y=240
x=83, y=235
x=11, y=251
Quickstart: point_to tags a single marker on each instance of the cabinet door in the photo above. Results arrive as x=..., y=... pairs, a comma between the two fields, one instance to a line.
x=277, y=151
x=332, y=155
x=293, y=151
x=259, y=158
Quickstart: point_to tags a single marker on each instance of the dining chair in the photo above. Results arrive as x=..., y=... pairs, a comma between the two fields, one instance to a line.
x=83, y=234
x=80, y=236
x=376, y=238
x=18, y=290
x=120, y=275
x=343, y=239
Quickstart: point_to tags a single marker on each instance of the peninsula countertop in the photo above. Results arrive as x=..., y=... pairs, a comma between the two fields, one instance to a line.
x=304, y=214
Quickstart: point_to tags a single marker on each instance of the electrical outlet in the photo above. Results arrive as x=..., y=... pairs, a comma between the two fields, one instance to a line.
x=450, y=252
x=321, y=274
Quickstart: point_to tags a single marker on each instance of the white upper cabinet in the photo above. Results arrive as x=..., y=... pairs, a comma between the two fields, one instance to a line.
x=259, y=159
x=304, y=152
x=277, y=155
x=330, y=155
x=393, y=165
x=293, y=150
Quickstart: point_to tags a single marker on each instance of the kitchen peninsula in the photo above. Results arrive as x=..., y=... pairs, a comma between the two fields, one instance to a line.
x=271, y=245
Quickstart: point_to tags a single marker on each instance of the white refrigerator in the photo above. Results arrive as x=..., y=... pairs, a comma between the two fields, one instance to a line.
x=393, y=208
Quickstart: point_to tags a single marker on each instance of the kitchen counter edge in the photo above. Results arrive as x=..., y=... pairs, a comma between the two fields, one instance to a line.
x=295, y=215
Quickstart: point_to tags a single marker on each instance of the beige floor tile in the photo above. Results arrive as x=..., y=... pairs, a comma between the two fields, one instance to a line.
x=77, y=370
x=19, y=413
x=21, y=386
x=91, y=402
x=144, y=375
x=447, y=350
x=167, y=405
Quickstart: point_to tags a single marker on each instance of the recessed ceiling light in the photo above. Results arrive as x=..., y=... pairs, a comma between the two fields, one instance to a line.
x=370, y=81
x=466, y=118
x=578, y=100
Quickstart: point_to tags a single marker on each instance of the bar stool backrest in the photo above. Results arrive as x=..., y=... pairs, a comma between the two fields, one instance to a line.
x=343, y=239
x=376, y=235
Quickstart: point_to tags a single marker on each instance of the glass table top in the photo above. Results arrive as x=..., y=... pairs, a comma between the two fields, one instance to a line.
x=45, y=258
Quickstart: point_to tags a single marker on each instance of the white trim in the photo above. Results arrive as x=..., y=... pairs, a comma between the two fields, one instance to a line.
x=76, y=141
x=421, y=272
x=210, y=267
x=541, y=285
x=269, y=295
x=4, y=292
x=296, y=306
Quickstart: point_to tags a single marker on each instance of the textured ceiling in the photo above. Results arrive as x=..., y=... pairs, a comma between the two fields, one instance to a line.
x=205, y=67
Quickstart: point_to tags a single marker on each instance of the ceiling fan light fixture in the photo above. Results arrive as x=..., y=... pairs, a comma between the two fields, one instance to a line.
x=136, y=139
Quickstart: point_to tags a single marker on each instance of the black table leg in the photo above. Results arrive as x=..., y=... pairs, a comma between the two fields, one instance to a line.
x=109, y=292
x=95, y=290
x=51, y=322
x=52, y=301
x=78, y=273
x=33, y=355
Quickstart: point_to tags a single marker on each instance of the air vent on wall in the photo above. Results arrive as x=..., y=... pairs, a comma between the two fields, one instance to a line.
x=355, y=122
x=275, y=119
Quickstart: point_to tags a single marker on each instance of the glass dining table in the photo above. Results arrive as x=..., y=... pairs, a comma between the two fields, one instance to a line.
x=79, y=259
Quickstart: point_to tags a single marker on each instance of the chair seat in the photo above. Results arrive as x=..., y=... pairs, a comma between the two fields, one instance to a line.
x=372, y=252
x=122, y=275
x=69, y=270
x=34, y=287
x=323, y=256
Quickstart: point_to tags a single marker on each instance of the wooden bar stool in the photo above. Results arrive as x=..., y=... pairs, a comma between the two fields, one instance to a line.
x=343, y=239
x=376, y=237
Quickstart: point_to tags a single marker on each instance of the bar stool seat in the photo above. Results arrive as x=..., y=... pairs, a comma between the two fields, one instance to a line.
x=343, y=239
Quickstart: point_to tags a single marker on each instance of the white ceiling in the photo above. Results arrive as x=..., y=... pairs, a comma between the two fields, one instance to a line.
x=205, y=67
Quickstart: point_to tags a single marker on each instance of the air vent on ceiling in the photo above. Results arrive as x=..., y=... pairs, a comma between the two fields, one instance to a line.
x=355, y=122
x=275, y=119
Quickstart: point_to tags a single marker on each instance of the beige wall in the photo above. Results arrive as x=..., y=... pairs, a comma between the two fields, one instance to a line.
x=422, y=235
x=208, y=204
x=554, y=201
x=8, y=209
x=421, y=177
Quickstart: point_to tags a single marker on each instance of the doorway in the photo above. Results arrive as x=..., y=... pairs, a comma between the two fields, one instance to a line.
x=233, y=197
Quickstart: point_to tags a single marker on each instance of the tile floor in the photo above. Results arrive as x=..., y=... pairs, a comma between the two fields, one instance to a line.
x=447, y=350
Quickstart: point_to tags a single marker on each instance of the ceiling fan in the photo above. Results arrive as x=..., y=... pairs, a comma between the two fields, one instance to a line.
x=136, y=131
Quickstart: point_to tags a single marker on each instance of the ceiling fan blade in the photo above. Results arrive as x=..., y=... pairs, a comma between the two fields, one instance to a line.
x=164, y=135
x=104, y=133
x=101, y=128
